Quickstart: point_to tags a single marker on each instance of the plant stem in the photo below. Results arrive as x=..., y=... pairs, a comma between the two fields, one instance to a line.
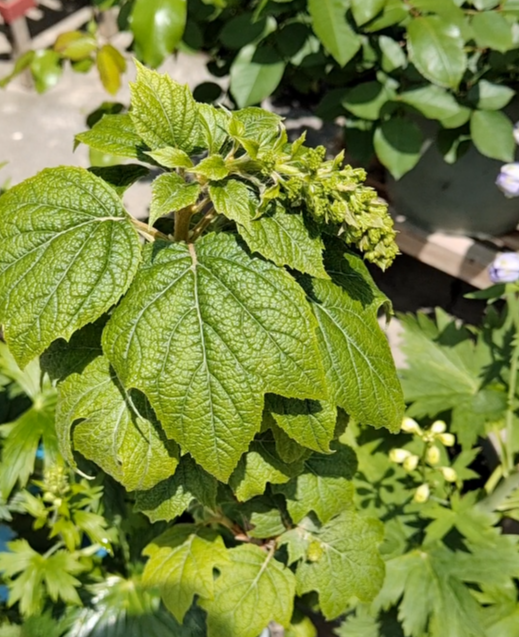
x=182, y=221
x=149, y=232
x=505, y=488
x=203, y=223
x=512, y=387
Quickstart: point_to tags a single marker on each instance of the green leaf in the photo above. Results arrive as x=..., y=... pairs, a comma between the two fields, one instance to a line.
x=212, y=167
x=253, y=589
x=20, y=446
x=258, y=467
x=164, y=112
x=75, y=45
x=120, y=177
x=331, y=27
x=110, y=64
x=287, y=448
x=181, y=565
x=490, y=97
x=171, y=157
x=432, y=101
x=234, y=200
x=365, y=10
x=460, y=119
x=493, y=31
x=46, y=69
x=170, y=498
x=65, y=234
x=114, y=428
x=436, y=48
x=241, y=30
x=286, y=239
x=309, y=422
x=253, y=80
x=366, y=99
x=169, y=193
x=324, y=487
x=393, y=55
x=158, y=27
x=114, y=134
x=398, y=144
x=342, y=561
x=395, y=12
x=492, y=134
x=213, y=123
x=227, y=329
x=36, y=574
x=257, y=125
x=359, y=367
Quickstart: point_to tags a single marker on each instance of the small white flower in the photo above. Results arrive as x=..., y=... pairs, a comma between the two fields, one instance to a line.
x=399, y=455
x=433, y=455
x=421, y=494
x=449, y=474
x=411, y=462
x=438, y=427
x=508, y=180
x=504, y=268
x=447, y=439
x=410, y=426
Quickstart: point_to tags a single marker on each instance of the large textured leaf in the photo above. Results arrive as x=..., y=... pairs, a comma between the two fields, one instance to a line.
x=285, y=239
x=342, y=560
x=436, y=48
x=324, y=486
x=359, y=368
x=170, y=498
x=158, y=26
x=259, y=466
x=68, y=251
x=171, y=193
x=116, y=429
x=115, y=135
x=253, y=589
x=181, y=565
x=120, y=177
x=234, y=200
x=227, y=328
x=164, y=112
x=330, y=26
x=311, y=423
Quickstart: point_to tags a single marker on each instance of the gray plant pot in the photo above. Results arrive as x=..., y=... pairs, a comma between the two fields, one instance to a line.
x=459, y=198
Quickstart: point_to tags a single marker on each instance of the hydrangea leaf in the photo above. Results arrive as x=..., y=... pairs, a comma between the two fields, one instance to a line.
x=117, y=429
x=257, y=125
x=120, y=177
x=171, y=193
x=287, y=449
x=69, y=252
x=171, y=497
x=227, y=328
x=235, y=200
x=171, y=157
x=259, y=466
x=311, y=423
x=214, y=124
x=286, y=239
x=164, y=112
x=212, y=167
x=252, y=590
x=359, y=366
x=342, y=561
x=181, y=565
x=115, y=135
x=324, y=486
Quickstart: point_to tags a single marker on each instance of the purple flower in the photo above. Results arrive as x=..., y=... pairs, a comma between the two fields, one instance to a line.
x=508, y=180
x=504, y=268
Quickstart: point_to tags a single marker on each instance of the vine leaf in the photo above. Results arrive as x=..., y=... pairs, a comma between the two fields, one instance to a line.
x=234, y=200
x=359, y=367
x=324, y=486
x=253, y=589
x=171, y=193
x=339, y=560
x=69, y=252
x=285, y=239
x=117, y=429
x=115, y=135
x=170, y=498
x=227, y=328
x=311, y=423
x=259, y=466
x=164, y=112
x=181, y=565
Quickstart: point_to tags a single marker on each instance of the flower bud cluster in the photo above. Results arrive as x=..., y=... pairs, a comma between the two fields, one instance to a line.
x=55, y=484
x=431, y=457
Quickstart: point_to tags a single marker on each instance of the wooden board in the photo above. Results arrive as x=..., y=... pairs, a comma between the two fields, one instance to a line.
x=462, y=257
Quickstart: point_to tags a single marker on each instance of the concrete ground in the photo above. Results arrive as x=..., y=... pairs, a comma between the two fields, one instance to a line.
x=37, y=131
